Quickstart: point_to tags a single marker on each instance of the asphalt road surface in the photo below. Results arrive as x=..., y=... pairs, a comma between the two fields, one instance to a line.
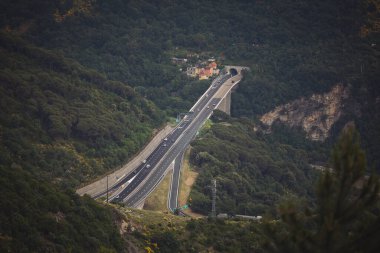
x=133, y=188
x=174, y=185
x=179, y=146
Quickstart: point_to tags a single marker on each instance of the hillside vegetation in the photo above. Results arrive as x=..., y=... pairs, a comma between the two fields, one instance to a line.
x=61, y=122
x=253, y=171
x=293, y=49
x=160, y=232
x=65, y=121
x=84, y=83
x=37, y=217
x=344, y=217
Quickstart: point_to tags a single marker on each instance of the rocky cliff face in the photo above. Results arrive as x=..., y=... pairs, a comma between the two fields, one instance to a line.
x=316, y=115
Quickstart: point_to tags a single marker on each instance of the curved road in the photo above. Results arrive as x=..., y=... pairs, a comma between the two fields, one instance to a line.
x=174, y=187
x=174, y=184
x=136, y=186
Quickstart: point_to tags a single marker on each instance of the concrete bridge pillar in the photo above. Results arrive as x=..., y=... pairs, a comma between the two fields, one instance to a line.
x=231, y=84
x=225, y=104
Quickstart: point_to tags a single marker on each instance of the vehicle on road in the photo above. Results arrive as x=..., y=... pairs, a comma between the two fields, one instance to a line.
x=180, y=137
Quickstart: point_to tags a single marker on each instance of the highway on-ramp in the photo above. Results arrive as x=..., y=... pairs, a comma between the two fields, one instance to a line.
x=174, y=184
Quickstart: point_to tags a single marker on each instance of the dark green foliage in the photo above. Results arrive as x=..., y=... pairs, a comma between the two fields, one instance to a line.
x=303, y=48
x=36, y=217
x=222, y=236
x=346, y=218
x=293, y=49
x=167, y=242
x=128, y=41
x=252, y=171
x=307, y=47
x=203, y=235
x=68, y=121
x=364, y=109
x=317, y=152
x=65, y=120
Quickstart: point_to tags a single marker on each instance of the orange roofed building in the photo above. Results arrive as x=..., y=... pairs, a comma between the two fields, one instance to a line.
x=204, y=72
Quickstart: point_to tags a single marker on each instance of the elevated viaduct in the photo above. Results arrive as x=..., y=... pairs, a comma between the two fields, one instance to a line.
x=225, y=92
x=135, y=181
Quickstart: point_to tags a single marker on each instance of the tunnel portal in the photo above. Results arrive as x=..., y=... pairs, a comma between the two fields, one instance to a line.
x=233, y=72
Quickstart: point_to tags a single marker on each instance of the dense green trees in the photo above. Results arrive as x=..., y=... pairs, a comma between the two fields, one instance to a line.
x=221, y=236
x=346, y=217
x=61, y=123
x=307, y=48
x=64, y=120
x=37, y=217
x=70, y=120
x=253, y=171
x=292, y=49
x=343, y=218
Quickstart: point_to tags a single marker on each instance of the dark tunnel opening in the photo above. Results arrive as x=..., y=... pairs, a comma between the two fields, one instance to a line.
x=233, y=72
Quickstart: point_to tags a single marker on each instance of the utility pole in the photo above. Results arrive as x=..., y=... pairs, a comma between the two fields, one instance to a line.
x=213, y=210
x=107, y=189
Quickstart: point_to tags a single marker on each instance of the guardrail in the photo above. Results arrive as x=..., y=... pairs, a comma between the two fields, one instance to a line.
x=218, y=78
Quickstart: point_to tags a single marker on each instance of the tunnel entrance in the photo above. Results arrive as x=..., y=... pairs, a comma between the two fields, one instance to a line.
x=233, y=72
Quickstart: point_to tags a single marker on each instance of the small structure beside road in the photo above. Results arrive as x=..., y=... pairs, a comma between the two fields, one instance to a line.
x=204, y=70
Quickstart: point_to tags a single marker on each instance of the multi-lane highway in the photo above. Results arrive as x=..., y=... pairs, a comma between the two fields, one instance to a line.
x=191, y=127
x=174, y=186
x=134, y=187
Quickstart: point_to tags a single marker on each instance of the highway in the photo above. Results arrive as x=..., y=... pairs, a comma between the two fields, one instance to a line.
x=134, y=188
x=181, y=143
x=174, y=184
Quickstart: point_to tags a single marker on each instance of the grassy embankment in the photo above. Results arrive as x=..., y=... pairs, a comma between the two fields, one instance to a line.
x=157, y=200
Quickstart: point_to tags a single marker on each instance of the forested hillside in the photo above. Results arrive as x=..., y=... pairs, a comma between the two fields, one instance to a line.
x=253, y=171
x=37, y=217
x=83, y=84
x=65, y=121
x=293, y=50
x=307, y=48
x=61, y=123
x=344, y=216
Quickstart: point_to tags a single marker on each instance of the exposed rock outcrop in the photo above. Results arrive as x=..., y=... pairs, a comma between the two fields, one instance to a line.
x=316, y=115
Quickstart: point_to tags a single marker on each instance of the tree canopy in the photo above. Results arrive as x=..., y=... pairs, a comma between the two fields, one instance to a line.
x=346, y=216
